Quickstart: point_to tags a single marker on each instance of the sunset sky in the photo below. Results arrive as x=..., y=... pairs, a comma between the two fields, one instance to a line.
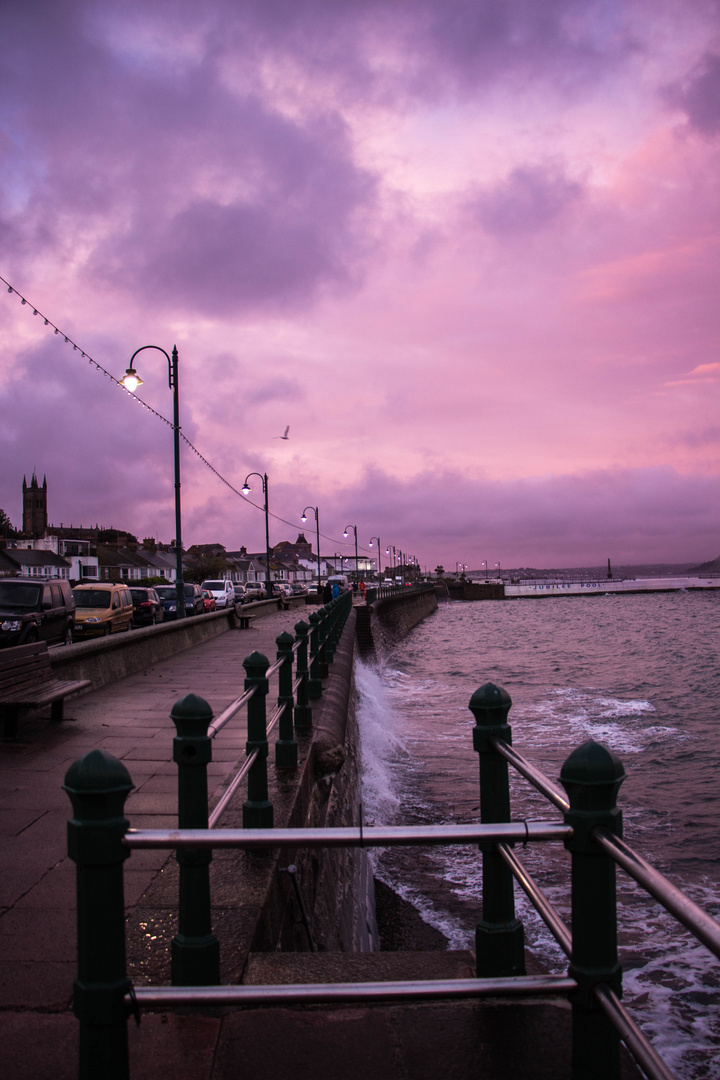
x=467, y=250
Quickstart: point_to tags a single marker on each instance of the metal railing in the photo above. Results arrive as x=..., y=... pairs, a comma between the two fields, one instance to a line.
x=381, y=592
x=100, y=840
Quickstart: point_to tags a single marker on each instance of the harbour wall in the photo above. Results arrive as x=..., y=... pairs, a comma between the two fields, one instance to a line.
x=392, y=617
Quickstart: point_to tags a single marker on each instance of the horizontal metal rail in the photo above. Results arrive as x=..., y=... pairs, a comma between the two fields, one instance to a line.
x=222, y=804
x=327, y=993
x=536, y=777
x=645, y=1055
x=698, y=922
x=296, y=683
x=227, y=714
x=349, y=836
x=274, y=667
x=538, y=899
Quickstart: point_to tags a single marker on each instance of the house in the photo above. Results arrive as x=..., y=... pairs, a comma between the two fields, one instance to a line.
x=42, y=564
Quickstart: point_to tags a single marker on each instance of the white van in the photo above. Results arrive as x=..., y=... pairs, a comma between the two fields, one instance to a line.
x=223, y=590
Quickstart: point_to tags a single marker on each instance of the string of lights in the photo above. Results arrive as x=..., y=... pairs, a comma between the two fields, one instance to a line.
x=84, y=355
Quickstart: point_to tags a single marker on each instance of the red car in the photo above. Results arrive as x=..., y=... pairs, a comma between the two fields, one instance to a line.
x=208, y=600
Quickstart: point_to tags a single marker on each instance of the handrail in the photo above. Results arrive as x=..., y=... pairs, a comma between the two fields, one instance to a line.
x=347, y=836
x=531, y=773
x=538, y=899
x=334, y=993
x=228, y=713
x=321, y=993
x=686, y=911
x=642, y=1050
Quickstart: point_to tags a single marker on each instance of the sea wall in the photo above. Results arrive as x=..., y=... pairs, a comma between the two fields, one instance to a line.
x=392, y=617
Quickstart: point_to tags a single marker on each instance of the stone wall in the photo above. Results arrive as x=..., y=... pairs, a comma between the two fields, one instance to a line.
x=104, y=660
x=394, y=616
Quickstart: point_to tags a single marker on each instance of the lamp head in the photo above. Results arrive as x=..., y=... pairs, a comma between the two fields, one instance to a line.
x=303, y=519
x=246, y=489
x=131, y=380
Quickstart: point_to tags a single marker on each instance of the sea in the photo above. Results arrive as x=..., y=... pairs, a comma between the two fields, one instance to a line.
x=639, y=673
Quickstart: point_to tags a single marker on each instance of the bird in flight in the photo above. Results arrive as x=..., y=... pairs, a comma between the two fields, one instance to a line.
x=282, y=436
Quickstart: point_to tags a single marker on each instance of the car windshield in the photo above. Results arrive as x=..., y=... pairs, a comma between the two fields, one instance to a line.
x=217, y=585
x=140, y=595
x=166, y=592
x=21, y=596
x=96, y=598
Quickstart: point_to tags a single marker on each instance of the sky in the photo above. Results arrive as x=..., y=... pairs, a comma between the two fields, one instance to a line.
x=467, y=250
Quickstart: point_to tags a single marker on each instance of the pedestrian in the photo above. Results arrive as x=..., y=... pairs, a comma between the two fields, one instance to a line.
x=327, y=593
x=362, y=587
x=335, y=589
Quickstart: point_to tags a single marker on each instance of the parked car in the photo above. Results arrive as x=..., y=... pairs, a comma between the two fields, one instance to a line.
x=147, y=606
x=255, y=590
x=298, y=588
x=223, y=591
x=102, y=609
x=36, y=611
x=240, y=593
x=194, y=603
x=208, y=600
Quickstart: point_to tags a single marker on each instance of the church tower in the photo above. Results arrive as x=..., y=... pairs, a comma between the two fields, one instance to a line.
x=34, y=507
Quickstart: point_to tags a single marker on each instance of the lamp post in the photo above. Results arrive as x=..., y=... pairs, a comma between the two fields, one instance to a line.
x=484, y=563
x=246, y=489
x=379, y=559
x=317, y=529
x=131, y=380
x=354, y=529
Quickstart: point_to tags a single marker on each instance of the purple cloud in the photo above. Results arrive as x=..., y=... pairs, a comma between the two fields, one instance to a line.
x=699, y=95
x=532, y=198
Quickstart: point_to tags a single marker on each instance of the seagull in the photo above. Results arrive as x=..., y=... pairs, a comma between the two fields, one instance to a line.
x=282, y=436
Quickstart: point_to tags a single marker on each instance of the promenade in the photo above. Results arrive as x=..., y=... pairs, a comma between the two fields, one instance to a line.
x=130, y=719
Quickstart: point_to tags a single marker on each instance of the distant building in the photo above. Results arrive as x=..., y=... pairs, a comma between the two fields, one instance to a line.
x=34, y=506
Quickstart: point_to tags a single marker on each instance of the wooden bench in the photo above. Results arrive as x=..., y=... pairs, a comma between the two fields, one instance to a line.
x=27, y=681
x=243, y=617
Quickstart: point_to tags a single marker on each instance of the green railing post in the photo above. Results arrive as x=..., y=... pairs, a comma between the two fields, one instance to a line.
x=195, y=951
x=592, y=776
x=499, y=937
x=98, y=785
x=323, y=626
x=314, y=683
x=329, y=627
x=286, y=749
x=303, y=712
x=257, y=809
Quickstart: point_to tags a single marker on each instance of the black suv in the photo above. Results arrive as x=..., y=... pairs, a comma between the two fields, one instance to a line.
x=194, y=603
x=32, y=610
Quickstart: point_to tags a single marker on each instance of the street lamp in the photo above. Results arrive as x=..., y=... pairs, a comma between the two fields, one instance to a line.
x=354, y=529
x=246, y=491
x=484, y=563
x=317, y=529
x=131, y=380
x=379, y=559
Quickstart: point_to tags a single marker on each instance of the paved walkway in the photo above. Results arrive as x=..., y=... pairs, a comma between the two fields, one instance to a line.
x=130, y=719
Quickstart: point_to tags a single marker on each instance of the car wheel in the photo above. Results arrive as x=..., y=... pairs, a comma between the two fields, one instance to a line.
x=31, y=638
x=68, y=638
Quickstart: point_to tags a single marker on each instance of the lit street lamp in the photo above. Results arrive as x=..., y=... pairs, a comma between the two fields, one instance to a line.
x=131, y=381
x=246, y=491
x=354, y=529
x=378, y=544
x=317, y=529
